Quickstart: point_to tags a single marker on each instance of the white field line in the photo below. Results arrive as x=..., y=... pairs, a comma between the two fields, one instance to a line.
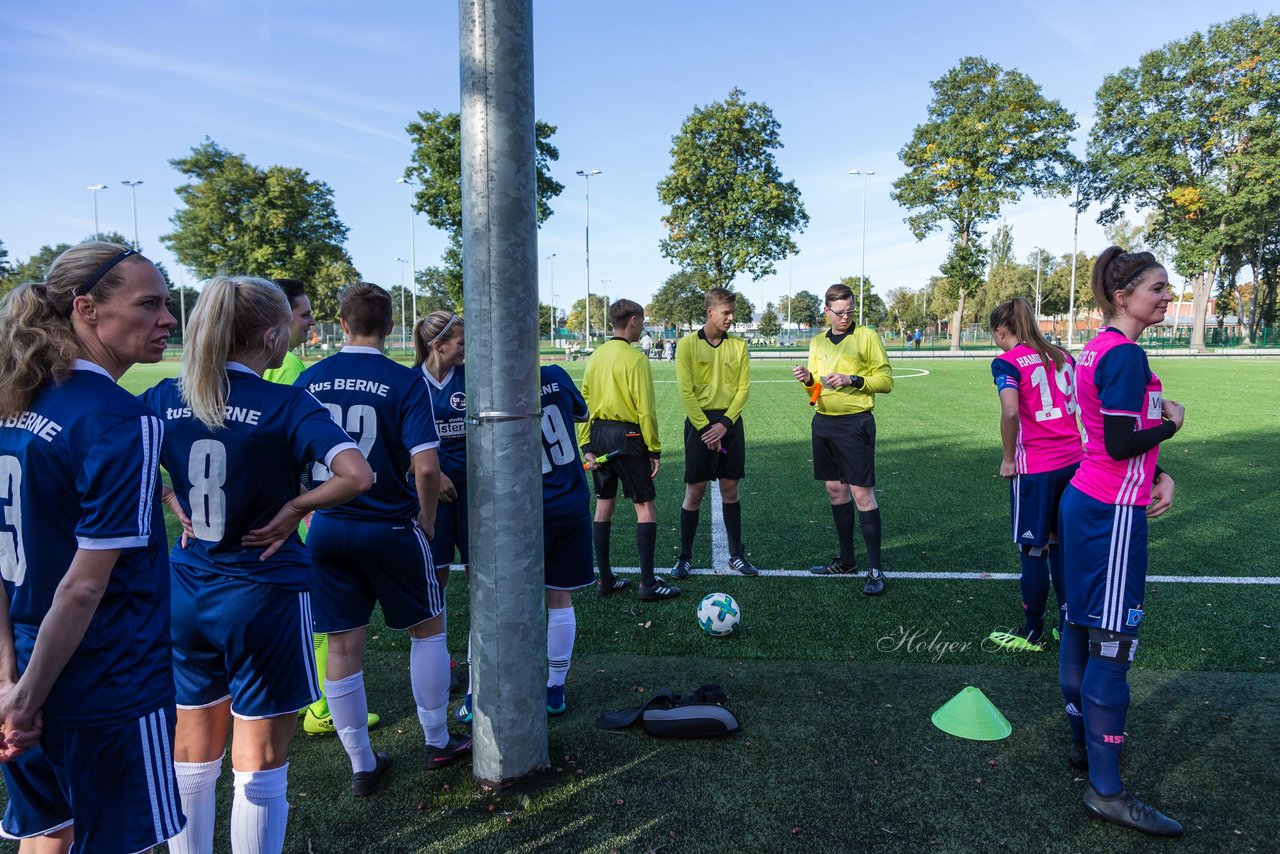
x=719, y=537
x=920, y=372
x=978, y=576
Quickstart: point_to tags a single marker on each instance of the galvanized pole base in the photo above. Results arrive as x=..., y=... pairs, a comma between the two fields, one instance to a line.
x=504, y=448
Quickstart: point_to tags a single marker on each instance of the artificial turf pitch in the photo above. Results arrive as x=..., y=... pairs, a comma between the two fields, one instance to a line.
x=835, y=690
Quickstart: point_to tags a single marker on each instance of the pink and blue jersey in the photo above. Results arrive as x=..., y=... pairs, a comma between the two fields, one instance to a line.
x=1048, y=438
x=1113, y=378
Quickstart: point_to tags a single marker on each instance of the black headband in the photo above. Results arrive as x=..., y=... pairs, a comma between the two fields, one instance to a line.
x=93, y=280
x=1135, y=274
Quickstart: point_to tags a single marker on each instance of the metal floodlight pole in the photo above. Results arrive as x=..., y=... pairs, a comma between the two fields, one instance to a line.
x=862, y=281
x=554, y=295
x=413, y=246
x=504, y=423
x=1039, y=255
x=586, y=184
x=403, y=344
x=97, y=235
x=133, y=196
x=1075, y=250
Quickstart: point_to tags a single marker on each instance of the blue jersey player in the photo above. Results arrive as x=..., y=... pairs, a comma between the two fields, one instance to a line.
x=374, y=548
x=1103, y=527
x=566, y=520
x=86, y=687
x=234, y=447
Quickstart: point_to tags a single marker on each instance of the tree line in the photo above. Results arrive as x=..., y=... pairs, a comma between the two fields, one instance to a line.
x=1188, y=136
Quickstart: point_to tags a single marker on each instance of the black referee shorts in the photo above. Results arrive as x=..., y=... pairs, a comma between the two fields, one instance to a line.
x=628, y=462
x=844, y=448
x=701, y=465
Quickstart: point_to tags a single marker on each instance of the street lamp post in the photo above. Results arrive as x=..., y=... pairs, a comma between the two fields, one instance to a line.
x=403, y=345
x=586, y=184
x=604, y=292
x=862, y=282
x=554, y=296
x=133, y=196
x=1075, y=248
x=97, y=235
x=413, y=246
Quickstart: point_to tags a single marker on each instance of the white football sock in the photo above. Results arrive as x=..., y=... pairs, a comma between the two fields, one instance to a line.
x=429, y=677
x=349, y=706
x=260, y=811
x=562, y=628
x=197, y=785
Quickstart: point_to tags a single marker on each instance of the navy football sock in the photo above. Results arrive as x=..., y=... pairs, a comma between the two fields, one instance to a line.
x=869, y=523
x=1055, y=577
x=1035, y=593
x=600, y=538
x=646, y=538
x=688, y=529
x=1073, y=655
x=843, y=516
x=733, y=527
x=1105, y=692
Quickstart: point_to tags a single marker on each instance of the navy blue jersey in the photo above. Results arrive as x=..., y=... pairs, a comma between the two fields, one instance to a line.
x=449, y=400
x=565, y=497
x=78, y=470
x=386, y=408
x=234, y=480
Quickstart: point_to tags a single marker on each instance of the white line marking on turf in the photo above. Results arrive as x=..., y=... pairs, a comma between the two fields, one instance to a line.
x=921, y=373
x=983, y=576
x=719, y=537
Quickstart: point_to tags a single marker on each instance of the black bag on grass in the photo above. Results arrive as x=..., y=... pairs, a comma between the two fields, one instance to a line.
x=668, y=715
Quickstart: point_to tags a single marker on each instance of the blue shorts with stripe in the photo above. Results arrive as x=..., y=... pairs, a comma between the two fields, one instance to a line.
x=361, y=563
x=1104, y=559
x=451, y=531
x=567, y=558
x=1033, y=505
x=238, y=638
x=119, y=776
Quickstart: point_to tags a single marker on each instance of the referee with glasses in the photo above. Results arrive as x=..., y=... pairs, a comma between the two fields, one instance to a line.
x=714, y=379
x=851, y=364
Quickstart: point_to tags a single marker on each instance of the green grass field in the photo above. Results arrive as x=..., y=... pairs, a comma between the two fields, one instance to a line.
x=837, y=751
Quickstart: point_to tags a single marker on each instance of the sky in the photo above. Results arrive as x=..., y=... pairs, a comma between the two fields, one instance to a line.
x=104, y=93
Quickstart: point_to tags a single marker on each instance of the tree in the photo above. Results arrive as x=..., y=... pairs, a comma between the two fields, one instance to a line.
x=874, y=311
x=436, y=167
x=681, y=299
x=802, y=308
x=5, y=269
x=1192, y=134
x=730, y=210
x=1126, y=235
x=904, y=309
x=599, y=315
x=238, y=218
x=769, y=326
x=436, y=290
x=990, y=137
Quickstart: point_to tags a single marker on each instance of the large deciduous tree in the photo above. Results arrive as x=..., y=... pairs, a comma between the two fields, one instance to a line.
x=802, y=307
x=769, y=326
x=1192, y=134
x=730, y=211
x=681, y=300
x=990, y=137
x=436, y=167
x=238, y=218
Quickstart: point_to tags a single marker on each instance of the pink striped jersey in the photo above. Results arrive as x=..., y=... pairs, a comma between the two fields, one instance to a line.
x=1113, y=378
x=1048, y=438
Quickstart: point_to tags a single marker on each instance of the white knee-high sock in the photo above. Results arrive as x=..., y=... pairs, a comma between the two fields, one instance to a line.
x=197, y=784
x=349, y=706
x=562, y=628
x=429, y=676
x=260, y=811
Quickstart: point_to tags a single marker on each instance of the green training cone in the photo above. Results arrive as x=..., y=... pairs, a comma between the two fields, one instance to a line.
x=971, y=715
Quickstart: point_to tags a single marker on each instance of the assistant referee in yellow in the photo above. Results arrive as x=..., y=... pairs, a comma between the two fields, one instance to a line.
x=851, y=363
x=714, y=379
x=622, y=425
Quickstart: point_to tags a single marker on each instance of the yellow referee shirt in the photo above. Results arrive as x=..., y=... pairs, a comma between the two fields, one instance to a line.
x=859, y=353
x=617, y=386
x=290, y=369
x=712, y=377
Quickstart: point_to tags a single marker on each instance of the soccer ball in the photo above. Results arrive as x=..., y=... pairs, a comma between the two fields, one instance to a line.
x=719, y=614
